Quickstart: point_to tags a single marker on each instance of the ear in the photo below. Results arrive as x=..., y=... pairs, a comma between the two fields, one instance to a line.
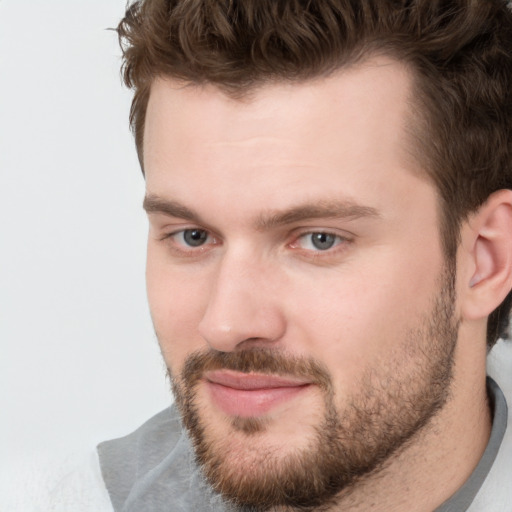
x=487, y=251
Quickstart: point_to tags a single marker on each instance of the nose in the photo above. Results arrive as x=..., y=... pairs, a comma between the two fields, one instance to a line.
x=243, y=309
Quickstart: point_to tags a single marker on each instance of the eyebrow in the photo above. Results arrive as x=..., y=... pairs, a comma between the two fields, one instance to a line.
x=155, y=204
x=271, y=219
x=320, y=210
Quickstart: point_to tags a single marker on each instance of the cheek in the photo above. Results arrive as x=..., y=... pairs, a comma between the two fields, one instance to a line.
x=358, y=318
x=177, y=301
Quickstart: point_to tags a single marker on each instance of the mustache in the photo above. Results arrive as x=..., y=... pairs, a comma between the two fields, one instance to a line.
x=254, y=360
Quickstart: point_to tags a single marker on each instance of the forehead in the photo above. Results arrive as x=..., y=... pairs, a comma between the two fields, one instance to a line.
x=363, y=96
x=343, y=127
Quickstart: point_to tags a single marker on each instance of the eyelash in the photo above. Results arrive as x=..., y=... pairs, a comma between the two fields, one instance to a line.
x=335, y=238
x=181, y=248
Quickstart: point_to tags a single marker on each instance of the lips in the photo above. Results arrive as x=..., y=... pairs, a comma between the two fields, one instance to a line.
x=251, y=395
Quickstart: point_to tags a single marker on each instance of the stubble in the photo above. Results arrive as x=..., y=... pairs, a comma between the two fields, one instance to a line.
x=351, y=442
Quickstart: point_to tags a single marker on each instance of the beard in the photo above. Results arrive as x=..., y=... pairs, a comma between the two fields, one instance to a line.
x=394, y=402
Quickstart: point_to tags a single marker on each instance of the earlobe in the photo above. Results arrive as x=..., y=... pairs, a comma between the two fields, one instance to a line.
x=490, y=230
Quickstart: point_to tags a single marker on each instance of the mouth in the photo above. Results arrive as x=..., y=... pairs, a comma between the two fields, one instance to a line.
x=249, y=395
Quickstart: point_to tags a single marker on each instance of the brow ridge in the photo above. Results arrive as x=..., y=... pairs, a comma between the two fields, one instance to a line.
x=321, y=210
x=155, y=204
x=270, y=219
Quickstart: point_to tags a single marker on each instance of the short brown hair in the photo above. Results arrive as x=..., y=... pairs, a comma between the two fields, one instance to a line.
x=460, y=52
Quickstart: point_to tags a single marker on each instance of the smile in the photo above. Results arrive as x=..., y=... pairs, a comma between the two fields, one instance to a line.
x=251, y=395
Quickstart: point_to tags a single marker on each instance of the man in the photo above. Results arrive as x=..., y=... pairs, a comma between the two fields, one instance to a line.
x=328, y=187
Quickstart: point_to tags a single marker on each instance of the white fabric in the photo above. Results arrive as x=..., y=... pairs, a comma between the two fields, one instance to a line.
x=54, y=484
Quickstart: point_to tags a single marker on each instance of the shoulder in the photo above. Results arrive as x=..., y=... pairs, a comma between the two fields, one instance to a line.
x=496, y=492
x=153, y=439
x=125, y=460
x=154, y=466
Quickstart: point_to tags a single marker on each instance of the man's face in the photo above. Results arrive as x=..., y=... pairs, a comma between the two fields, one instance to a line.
x=296, y=279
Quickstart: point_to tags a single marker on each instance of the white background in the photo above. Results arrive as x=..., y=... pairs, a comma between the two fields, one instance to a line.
x=79, y=362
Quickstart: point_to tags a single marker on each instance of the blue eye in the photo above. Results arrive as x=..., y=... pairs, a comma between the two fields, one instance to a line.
x=319, y=241
x=323, y=241
x=194, y=237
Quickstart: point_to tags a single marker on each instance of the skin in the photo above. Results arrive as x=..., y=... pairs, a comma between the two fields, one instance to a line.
x=232, y=168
